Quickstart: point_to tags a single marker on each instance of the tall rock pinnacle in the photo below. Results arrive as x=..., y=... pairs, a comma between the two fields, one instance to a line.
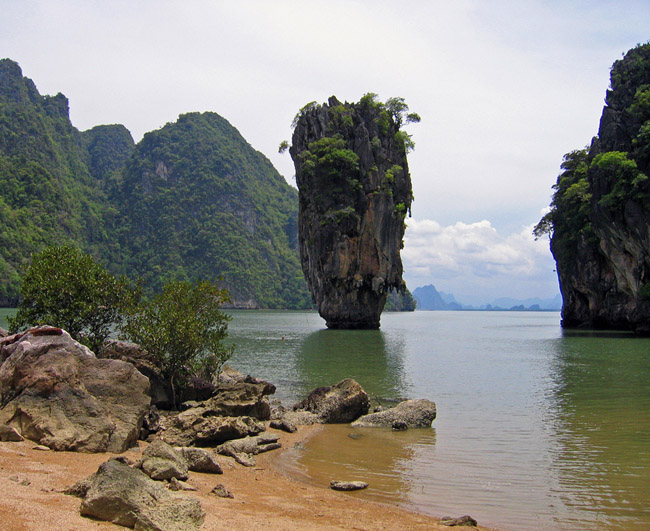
x=354, y=193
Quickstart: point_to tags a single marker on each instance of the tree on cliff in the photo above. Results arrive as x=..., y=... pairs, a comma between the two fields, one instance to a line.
x=68, y=288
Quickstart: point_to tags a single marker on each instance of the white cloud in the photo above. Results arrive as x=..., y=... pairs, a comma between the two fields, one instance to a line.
x=477, y=263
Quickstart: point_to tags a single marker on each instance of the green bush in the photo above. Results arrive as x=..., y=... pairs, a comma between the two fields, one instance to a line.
x=68, y=288
x=183, y=329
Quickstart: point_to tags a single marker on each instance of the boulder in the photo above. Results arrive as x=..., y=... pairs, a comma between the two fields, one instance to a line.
x=243, y=450
x=159, y=388
x=200, y=460
x=340, y=403
x=161, y=462
x=3, y=332
x=54, y=391
x=126, y=496
x=408, y=414
x=196, y=427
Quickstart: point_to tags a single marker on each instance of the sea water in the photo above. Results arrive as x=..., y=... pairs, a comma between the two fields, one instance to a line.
x=537, y=428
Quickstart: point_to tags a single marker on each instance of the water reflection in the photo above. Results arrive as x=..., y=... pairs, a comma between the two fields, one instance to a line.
x=292, y=350
x=602, y=428
x=329, y=356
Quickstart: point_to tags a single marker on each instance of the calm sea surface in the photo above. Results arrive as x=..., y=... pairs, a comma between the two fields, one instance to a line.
x=537, y=428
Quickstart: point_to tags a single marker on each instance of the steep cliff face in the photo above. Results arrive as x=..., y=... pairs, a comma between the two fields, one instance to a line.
x=354, y=192
x=600, y=215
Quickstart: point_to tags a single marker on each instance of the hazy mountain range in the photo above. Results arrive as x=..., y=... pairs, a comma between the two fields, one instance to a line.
x=429, y=298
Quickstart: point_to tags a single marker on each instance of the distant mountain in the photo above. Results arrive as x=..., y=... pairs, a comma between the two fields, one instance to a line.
x=192, y=200
x=542, y=304
x=429, y=298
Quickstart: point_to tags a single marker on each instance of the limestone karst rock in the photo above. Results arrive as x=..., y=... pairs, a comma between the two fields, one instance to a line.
x=55, y=392
x=600, y=215
x=354, y=193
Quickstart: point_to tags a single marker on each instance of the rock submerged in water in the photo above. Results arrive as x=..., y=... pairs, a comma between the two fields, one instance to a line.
x=466, y=521
x=354, y=192
x=418, y=413
x=348, y=485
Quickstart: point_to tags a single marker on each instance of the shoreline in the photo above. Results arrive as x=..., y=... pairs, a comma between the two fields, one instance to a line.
x=265, y=496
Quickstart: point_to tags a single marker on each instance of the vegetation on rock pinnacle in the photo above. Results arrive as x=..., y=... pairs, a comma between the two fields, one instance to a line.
x=600, y=212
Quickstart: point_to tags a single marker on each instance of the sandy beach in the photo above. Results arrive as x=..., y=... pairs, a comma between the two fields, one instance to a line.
x=264, y=497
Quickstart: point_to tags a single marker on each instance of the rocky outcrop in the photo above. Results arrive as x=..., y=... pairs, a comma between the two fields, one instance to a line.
x=354, y=192
x=126, y=496
x=54, y=391
x=238, y=399
x=600, y=213
x=339, y=403
x=408, y=414
x=192, y=428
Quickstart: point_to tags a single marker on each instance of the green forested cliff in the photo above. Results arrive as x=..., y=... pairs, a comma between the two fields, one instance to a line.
x=196, y=200
x=600, y=213
x=192, y=200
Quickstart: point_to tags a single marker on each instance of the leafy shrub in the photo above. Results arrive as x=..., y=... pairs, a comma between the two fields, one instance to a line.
x=183, y=329
x=68, y=288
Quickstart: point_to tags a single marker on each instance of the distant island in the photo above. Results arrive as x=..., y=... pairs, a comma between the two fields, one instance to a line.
x=429, y=298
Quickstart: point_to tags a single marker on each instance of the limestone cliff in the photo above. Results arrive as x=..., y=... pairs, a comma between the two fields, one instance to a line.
x=354, y=193
x=600, y=214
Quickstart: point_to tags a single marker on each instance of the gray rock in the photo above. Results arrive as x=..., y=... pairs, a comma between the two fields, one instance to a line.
x=284, y=425
x=221, y=491
x=399, y=425
x=54, y=391
x=200, y=460
x=176, y=485
x=462, y=521
x=195, y=427
x=159, y=388
x=242, y=450
x=125, y=496
x=339, y=403
x=3, y=332
x=412, y=413
x=9, y=434
x=161, y=462
x=348, y=485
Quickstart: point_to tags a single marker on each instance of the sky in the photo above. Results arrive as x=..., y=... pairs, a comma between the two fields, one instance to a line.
x=504, y=89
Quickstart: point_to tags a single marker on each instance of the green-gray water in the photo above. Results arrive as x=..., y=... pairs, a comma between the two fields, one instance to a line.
x=537, y=428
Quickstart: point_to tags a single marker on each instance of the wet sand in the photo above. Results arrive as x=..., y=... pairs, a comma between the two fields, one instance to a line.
x=265, y=498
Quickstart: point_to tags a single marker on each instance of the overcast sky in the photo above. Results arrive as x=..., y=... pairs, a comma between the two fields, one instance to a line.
x=504, y=88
